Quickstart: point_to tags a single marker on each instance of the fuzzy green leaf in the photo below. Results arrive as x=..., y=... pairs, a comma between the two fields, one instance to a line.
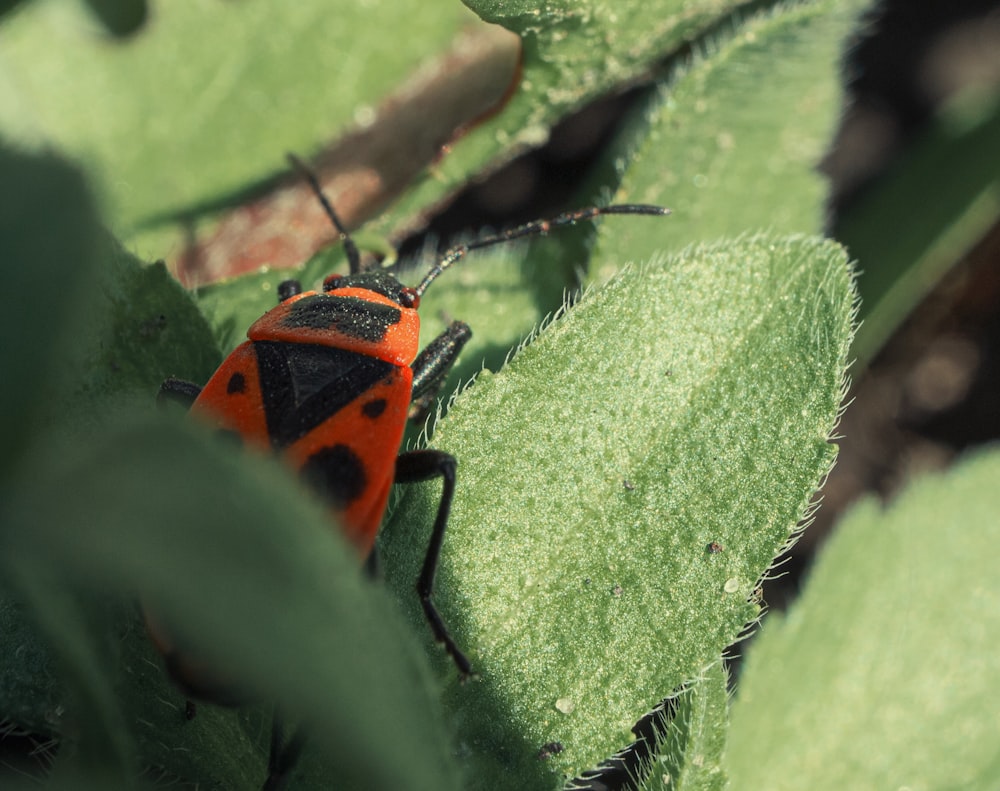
x=731, y=141
x=679, y=743
x=691, y=758
x=31, y=700
x=575, y=51
x=886, y=672
x=688, y=402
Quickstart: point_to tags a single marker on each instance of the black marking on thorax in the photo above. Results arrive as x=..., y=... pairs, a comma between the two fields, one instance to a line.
x=358, y=318
x=304, y=384
x=373, y=409
x=237, y=384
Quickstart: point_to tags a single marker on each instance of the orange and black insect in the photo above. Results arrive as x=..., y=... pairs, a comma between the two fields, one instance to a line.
x=328, y=379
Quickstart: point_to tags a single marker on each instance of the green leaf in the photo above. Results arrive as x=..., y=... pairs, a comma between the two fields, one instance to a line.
x=731, y=140
x=30, y=694
x=247, y=575
x=573, y=53
x=885, y=673
x=691, y=758
x=140, y=328
x=678, y=744
x=577, y=51
x=93, y=737
x=688, y=402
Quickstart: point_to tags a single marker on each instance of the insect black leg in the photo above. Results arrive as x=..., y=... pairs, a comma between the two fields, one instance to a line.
x=373, y=568
x=283, y=756
x=423, y=465
x=432, y=366
x=178, y=391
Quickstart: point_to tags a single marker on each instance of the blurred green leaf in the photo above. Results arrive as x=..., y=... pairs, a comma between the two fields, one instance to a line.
x=594, y=471
x=50, y=243
x=885, y=673
x=249, y=577
x=172, y=120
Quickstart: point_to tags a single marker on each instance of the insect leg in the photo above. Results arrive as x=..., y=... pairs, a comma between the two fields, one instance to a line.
x=178, y=391
x=288, y=289
x=422, y=465
x=432, y=366
x=283, y=755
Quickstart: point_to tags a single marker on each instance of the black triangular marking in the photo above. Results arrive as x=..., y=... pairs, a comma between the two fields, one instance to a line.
x=304, y=384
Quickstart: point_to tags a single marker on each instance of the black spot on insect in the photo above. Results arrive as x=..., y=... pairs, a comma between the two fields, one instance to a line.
x=549, y=749
x=337, y=473
x=237, y=384
x=374, y=408
x=358, y=318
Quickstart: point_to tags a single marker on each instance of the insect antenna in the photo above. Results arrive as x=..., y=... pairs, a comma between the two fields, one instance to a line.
x=351, y=249
x=535, y=228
